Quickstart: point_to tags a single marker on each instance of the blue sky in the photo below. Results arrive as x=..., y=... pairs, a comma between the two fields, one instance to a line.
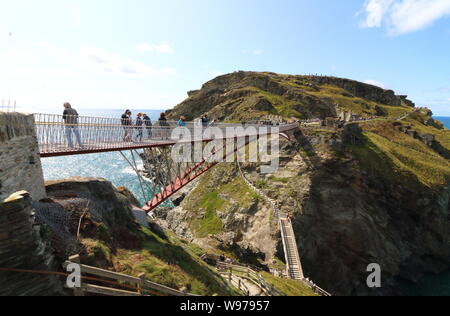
x=148, y=54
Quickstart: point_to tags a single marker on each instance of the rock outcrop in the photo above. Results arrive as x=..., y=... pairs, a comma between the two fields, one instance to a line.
x=253, y=96
x=375, y=192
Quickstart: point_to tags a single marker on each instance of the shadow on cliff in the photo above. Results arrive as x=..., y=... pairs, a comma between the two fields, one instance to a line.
x=362, y=210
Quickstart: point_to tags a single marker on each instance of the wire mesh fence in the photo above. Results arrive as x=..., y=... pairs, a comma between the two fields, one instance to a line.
x=62, y=220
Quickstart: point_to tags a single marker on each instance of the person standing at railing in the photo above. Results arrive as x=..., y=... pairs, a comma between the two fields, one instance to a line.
x=182, y=122
x=70, y=117
x=205, y=121
x=127, y=123
x=164, y=126
x=139, y=128
x=148, y=125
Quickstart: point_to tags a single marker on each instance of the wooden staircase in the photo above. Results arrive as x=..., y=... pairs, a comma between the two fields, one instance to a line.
x=294, y=266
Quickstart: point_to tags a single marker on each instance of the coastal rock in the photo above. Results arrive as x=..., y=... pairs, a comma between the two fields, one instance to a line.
x=253, y=95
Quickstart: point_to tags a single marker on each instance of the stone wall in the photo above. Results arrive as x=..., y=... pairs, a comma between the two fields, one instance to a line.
x=22, y=248
x=20, y=165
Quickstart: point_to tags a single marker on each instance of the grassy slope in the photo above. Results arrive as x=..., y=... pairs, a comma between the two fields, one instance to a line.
x=288, y=287
x=173, y=263
x=163, y=257
x=289, y=108
x=209, y=198
x=302, y=99
x=401, y=158
x=170, y=262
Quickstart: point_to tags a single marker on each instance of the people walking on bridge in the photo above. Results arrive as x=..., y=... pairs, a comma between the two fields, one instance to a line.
x=127, y=123
x=165, y=127
x=148, y=125
x=70, y=117
x=205, y=121
x=139, y=128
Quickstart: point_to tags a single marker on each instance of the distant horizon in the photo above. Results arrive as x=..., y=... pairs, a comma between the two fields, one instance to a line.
x=57, y=51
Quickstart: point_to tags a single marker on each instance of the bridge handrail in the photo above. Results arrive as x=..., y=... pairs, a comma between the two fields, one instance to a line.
x=58, y=119
x=140, y=282
x=253, y=276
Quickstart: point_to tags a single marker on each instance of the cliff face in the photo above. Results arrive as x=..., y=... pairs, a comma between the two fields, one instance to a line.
x=253, y=95
x=374, y=192
x=111, y=238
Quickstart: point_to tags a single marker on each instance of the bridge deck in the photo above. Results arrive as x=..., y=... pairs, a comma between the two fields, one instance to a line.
x=95, y=135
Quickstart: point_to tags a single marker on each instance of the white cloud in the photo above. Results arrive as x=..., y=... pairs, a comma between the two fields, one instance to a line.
x=258, y=52
x=45, y=75
x=163, y=48
x=375, y=83
x=103, y=61
x=404, y=16
x=57, y=53
x=376, y=10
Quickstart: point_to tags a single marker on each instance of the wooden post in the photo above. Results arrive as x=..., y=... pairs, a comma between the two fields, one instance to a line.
x=77, y=291
x=240, y=285
x=141, y=285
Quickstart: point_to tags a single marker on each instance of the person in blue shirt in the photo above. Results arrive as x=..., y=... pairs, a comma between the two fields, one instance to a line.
x=182, y=122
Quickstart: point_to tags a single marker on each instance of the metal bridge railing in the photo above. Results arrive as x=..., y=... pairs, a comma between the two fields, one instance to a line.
x=65, y=134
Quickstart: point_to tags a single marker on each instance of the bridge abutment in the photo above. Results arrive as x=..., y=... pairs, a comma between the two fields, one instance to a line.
x=20, y=164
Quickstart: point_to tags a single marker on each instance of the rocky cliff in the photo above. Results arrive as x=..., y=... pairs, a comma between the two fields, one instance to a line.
x=252, y=95
x=373, y=192
x=90, y=217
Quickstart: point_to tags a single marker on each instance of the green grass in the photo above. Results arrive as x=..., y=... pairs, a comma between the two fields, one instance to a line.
x=288, y=287
x=205, y=202
x=282, y=106
x=400, y=158
x=442, y=135
x=262, y=184
x=98, y=253
x=171, y=263
x=276, y=179
x=357, y=105
x=210, y=224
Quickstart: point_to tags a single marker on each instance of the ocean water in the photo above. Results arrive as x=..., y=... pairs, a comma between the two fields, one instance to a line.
x=445, y=120
x=111, y=166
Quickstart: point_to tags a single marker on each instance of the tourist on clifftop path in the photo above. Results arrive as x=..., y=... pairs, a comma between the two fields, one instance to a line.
x=70, y=117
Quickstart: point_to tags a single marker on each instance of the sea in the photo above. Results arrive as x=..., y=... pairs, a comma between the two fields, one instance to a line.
x=113, y=167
